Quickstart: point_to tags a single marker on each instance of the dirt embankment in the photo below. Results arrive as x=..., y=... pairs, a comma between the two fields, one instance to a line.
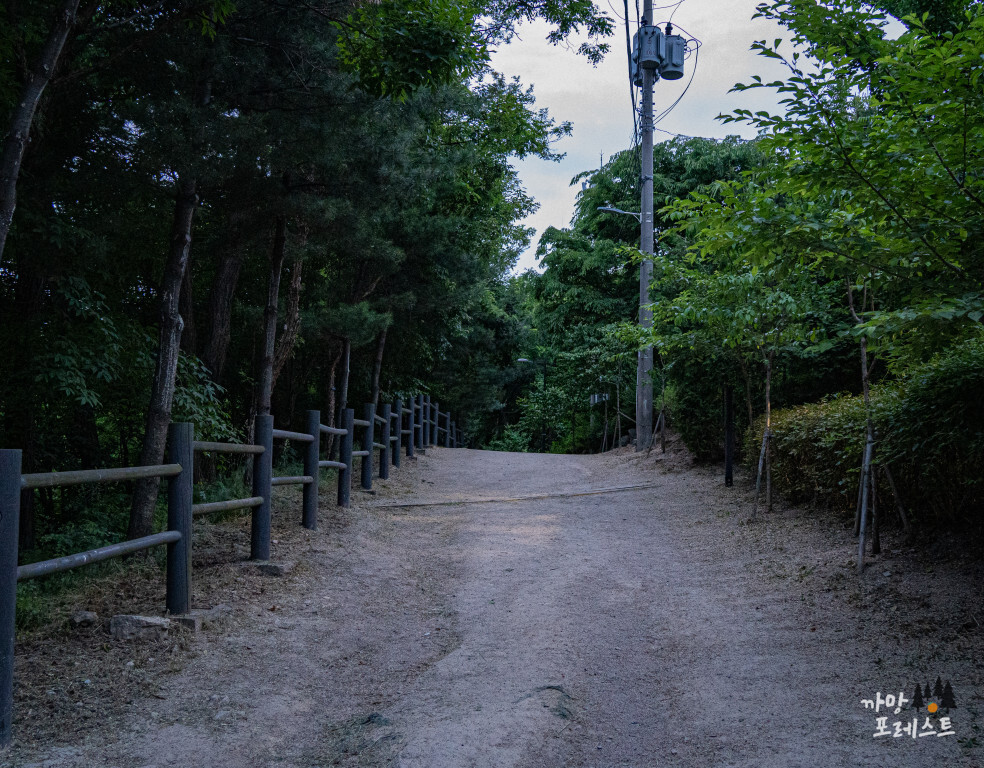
x=645, y=627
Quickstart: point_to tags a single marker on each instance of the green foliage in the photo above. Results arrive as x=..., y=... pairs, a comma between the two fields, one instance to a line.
x=816, y=450
x=82, y=349
x=198, y=399
x=938, y=15
x=398, y=46
x=695, y=404
x=566, y=18
x=872, y=179
x=929, y=429
x=513, y=439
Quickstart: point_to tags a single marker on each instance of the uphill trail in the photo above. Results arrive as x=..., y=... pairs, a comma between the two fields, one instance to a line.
x=447, y=622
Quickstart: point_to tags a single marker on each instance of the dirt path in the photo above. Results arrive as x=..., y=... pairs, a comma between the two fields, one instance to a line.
x=642, y=628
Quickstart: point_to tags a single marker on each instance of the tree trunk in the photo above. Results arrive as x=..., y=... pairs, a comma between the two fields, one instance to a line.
x=378, y=367
x=292, y=323
x=900, y=506
x=220, y=312
x=866, y=470
x=165, y=372
x=765, y=457
x=186, y=304
x=758, y=476
x=875, y=522
x=346, y=364
x=22, y=115
x=729, y=434
x=865, y=488
x=265, y=393
x=618, y=409
x=604, y=437
x=768, y=431
x=330, y=409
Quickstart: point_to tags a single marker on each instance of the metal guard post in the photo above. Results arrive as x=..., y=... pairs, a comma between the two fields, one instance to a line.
x=180, y=499
x=345, y=454
x=10, y=490
x=367, y=445
x=262, y=475
x=312, y=453
x=384, y=454
x=397, y=431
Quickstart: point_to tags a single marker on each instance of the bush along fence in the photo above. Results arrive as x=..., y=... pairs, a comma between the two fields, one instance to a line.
x=410, y=427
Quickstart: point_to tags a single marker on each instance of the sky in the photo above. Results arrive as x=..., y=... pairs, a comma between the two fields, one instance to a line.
x=596, y=99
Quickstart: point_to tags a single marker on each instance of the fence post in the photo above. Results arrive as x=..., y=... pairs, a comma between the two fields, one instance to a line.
x=418, y=423
x=729, y=434
x=384, y=454
x=369, y=414
x=447, y=429
x=10, y=491
x=262, y=474
x=435, y=410
x=428, y=413
x=345, y=456
x=411, y=427
x=180, y=497
x=312, y=455
x=398, y=422
x=431, y=410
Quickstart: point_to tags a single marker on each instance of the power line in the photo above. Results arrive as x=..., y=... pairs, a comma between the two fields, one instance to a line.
x=692, y=37
x=628, y=53
x=683, y=135
x=675, y=10
x=670, y=108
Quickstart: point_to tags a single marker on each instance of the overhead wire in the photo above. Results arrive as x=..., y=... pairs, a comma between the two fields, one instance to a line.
x=628, y=53
x=617, y=15
x=675, y=10
x=682, y=135
x=659, y=118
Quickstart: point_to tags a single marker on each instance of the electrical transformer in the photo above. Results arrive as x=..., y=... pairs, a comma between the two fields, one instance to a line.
x=651, y=48
x=662, y=54
x=671, y=67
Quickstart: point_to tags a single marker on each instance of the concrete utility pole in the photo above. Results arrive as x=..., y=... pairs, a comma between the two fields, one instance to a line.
x=644, y=368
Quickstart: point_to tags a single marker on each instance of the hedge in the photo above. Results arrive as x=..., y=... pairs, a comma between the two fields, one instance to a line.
x=929, y=428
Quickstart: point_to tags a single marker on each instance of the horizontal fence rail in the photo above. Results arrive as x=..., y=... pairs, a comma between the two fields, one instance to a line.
x=81, y=476
x=397, y=428
x=67, y=563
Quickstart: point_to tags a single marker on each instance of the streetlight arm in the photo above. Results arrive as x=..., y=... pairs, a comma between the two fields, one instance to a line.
x=610, y=209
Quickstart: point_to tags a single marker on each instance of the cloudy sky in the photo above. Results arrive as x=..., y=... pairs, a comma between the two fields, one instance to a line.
x=596, y=99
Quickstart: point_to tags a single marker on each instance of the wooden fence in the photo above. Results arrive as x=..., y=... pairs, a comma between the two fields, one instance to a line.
x=412, y=427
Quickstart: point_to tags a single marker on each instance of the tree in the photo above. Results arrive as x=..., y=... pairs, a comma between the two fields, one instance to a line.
x=948, y=699
x=917, y=698
x=940, y=15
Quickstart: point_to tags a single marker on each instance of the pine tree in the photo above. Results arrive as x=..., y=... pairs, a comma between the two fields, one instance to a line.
x=938, y=689
x=948, y=700
x=917, y=698
x=926, y=693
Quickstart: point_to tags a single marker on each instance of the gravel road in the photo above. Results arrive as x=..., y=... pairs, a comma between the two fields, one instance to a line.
x=643, y=627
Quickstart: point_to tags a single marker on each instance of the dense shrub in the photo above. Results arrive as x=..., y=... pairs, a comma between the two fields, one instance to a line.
x=695, y=382
x=929, y=429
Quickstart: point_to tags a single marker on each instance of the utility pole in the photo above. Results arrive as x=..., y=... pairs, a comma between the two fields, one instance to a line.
x=644, y=368
x=655, y=55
